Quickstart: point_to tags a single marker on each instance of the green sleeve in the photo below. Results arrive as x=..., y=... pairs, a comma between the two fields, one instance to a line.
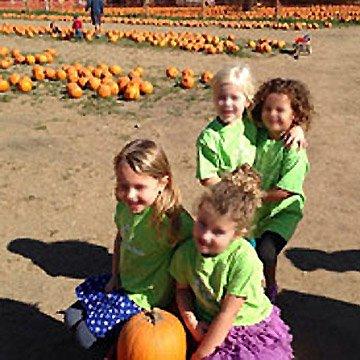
x=119, y=209
x=207, y=162
x=177, y=265
x=250, y=130
x=294, y=168
x=187, y=224
x=241, y=276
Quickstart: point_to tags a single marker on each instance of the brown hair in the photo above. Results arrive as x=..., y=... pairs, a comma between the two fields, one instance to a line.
x=298, y=94
x=144, y=156
x=237, y=194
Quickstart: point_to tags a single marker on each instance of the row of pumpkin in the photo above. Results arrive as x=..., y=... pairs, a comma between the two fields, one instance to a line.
x=190, y=41
x=106, y=80
x=343, y=13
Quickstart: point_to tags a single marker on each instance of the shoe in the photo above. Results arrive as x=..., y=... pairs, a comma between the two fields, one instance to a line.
x=271, y=292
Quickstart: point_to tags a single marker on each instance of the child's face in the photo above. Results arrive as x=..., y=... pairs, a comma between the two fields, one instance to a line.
x=137, y=190
x=230, y=102
x=277, y=114
x=213, y=232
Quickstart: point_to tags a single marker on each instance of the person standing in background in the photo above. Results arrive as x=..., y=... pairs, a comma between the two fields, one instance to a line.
x=96, y=11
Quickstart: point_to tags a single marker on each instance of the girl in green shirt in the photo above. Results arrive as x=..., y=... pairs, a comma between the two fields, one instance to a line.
x=219, y=278
x=279, y=105
x=230, y=139
x=150, y=223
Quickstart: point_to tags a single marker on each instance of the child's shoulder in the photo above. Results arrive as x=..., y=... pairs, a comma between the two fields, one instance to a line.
x=210, y=130
x=245, y=254
x=186, y=249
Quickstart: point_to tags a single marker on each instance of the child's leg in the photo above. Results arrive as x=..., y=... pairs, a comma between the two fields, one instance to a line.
x=268, y=247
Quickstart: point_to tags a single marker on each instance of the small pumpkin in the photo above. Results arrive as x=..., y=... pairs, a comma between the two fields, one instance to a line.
x=146, y=88
x=151, y=335
x=74, y=90
x=172, y=72
x=25, y=84
x=206, y=77
x=132, y=91
x=4, y=85
x=104, y=91
x=187, y=82
x=14, y=78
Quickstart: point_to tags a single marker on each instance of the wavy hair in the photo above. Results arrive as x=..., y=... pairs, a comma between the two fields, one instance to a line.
x=146, y=157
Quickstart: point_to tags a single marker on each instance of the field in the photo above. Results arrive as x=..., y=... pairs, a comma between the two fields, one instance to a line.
x=56, y=185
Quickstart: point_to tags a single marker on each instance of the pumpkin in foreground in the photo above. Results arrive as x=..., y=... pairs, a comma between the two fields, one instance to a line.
x=152, y=335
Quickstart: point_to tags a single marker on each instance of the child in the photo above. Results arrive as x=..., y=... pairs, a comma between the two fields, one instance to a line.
x=230, y=317
x=54, y=29
x=230, y=139
x=279, y=105
x=77, y=27
x=150, y=223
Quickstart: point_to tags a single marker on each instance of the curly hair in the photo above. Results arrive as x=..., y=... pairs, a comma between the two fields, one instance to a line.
x=145, y=156
x=298, y=94
x=237, y=194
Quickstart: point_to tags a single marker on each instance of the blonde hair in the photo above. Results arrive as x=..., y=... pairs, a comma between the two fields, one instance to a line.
x=144, y=156
x=238, y=75
x=237, y=194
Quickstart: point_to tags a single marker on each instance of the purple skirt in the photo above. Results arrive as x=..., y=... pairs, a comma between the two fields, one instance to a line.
x=268, y=340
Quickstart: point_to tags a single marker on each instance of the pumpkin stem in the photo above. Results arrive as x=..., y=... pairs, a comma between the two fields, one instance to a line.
x=153, y=316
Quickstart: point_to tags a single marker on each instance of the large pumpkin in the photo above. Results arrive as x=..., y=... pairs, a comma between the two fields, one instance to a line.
x=152, y=335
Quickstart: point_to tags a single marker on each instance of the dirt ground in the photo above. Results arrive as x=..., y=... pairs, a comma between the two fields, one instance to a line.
x=57, y=203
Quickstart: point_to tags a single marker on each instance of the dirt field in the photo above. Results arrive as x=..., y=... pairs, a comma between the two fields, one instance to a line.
x=57, y=203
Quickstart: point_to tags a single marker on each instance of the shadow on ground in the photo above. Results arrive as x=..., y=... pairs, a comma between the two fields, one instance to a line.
x=310, y=259
x=70, y=258
x=323, y=328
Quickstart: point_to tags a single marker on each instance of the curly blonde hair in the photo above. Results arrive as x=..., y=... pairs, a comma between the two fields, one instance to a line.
x=145, y=156
x=299, y=96
x=237, y=194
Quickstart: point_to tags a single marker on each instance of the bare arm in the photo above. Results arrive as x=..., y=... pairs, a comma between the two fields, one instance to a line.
x=184, y=300
x=114, y=283
x=220, y=326
x=295, y=135
x=276, y=194
x=210, y=181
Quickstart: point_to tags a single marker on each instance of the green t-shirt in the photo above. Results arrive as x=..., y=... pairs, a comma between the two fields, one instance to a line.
x=221, y=148
x=285, y=169
x=145, y=255
x=237, y=271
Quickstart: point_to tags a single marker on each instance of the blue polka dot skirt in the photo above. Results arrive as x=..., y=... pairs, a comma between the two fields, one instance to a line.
x=104, y=311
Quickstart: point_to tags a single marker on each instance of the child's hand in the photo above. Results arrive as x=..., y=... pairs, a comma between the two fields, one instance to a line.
x=295, y=135
x=197, y=328
x=113, y=284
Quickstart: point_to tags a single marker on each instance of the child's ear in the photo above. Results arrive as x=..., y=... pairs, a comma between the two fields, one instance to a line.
x=164, y=181
x=242, y=232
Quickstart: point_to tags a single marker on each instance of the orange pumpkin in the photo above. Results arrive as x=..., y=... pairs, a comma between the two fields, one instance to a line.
x=187, y=82
x=122, y=83
x=104, y=91
x=206, y=77
x=25, y=84
x=146, y=88
x=132, y=91
x=4, y=86
x=151, y=335
x=187, y=72
x=61, y=74
x=14, y=78
x=115, y=69
x=74, y=90
x=94, y=83
x=172, y=72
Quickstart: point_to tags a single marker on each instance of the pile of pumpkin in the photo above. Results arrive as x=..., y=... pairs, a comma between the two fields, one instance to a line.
x=15, y=57
x=104, y=79
x=264, y=45
x=321, y=13
x=186, y=78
